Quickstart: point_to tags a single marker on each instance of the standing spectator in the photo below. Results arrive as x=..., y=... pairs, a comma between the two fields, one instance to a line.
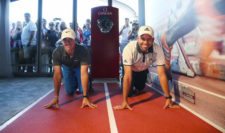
x=17, y=35
x=124, y=33
x=44, y=27
x=12, y=31
x=51, y=39
x=28, y=39
x=44, y=30
x=133, y=34
x=87, y=34
x=62, y=27
x=57, y=27
x=79, y=33
x=18, y=45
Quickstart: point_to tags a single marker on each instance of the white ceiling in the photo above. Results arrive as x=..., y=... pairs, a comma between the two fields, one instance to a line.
x=132, y=4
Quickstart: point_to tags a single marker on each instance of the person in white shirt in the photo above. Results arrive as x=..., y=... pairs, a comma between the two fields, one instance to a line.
x=28, y=38
x=137, y=57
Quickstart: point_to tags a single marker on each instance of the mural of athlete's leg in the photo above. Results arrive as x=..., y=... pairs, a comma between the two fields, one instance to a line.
x=211, y=19
x=183, y=26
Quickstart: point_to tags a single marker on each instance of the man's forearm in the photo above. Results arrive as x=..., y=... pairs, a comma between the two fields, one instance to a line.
x=57, y=84
x=126, y=87
x=84, y=82
x=163, y=80
x=164, y=84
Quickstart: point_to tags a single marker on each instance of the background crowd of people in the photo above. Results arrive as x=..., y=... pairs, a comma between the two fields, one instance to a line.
x=23, y=40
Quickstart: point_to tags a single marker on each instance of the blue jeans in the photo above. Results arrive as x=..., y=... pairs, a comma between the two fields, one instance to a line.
x=71, y=79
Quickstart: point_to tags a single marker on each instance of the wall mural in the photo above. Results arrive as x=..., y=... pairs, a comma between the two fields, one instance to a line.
x=193, y=38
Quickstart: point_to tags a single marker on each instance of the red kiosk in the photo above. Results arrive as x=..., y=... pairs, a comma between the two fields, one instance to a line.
x=104, y=43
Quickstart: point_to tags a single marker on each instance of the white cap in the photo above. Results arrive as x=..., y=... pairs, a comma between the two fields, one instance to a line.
x=68, y=33
x=146, y=30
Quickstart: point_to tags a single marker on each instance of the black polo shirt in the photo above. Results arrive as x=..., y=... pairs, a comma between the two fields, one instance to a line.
x=81, y=56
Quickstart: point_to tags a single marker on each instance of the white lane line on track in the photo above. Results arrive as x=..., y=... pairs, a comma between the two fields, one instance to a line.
x=112, y=121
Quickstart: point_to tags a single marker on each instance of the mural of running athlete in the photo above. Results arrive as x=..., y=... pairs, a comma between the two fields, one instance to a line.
x=209, y=17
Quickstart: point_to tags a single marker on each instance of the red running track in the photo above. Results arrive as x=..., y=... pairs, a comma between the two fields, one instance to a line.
x=148, y=115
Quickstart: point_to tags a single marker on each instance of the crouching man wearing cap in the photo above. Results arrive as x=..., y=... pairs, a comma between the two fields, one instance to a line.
x=70, y=61
x=137, y=57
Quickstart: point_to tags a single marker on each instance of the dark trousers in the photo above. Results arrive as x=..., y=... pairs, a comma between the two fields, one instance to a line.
x=139, y=80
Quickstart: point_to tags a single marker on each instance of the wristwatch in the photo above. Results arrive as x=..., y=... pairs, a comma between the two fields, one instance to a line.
x=168, y=97
x=85, y=96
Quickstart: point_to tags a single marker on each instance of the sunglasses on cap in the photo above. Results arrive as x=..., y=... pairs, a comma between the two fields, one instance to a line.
x=146, y=38
x=67, y=41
